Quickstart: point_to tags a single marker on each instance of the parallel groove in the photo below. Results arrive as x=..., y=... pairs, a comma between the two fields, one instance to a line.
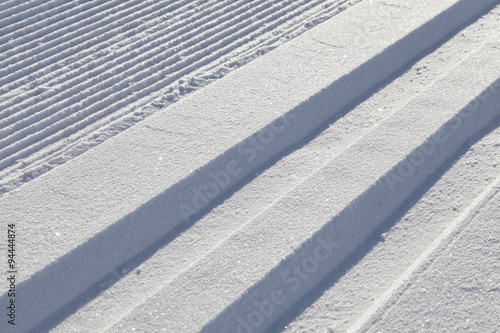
x=104, y=57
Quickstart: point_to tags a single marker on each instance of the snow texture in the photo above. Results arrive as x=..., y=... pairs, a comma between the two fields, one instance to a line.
x=164, y=187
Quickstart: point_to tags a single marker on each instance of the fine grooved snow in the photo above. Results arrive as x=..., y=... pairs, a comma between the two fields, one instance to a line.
x=86, y=71
x=229, y=210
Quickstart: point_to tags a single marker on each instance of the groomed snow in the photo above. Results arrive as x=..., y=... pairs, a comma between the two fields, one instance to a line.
x=148, y=230
x=74, y=73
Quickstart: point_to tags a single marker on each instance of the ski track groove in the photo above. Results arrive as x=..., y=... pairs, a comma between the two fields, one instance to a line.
x=222, y=240
x=422, y=263
x=84, y=96
x=141, y=60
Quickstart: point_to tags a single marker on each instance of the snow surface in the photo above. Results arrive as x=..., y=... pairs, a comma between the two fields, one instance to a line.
x=289, y=168
x=387, y=265
x=74, y=73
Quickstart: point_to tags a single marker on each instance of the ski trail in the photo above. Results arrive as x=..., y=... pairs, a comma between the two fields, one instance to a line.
x=422, y=263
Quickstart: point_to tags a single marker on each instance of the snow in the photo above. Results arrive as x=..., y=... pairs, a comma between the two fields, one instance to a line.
x=464, y=252
x=387, y=261
x=79, y=75
x=227, y=209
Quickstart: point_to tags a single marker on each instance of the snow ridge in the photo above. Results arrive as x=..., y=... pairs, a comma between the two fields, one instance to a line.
x=162, y=177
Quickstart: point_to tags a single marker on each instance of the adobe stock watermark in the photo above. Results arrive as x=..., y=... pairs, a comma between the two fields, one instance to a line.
x=247, y=152
x=417, y=158
x=292, y=277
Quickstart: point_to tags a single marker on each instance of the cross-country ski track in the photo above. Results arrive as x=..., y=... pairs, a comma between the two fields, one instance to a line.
x=250, y=166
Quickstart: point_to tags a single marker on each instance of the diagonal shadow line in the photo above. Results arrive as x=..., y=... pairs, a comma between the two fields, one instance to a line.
x=131, y=264
x=359, y=253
